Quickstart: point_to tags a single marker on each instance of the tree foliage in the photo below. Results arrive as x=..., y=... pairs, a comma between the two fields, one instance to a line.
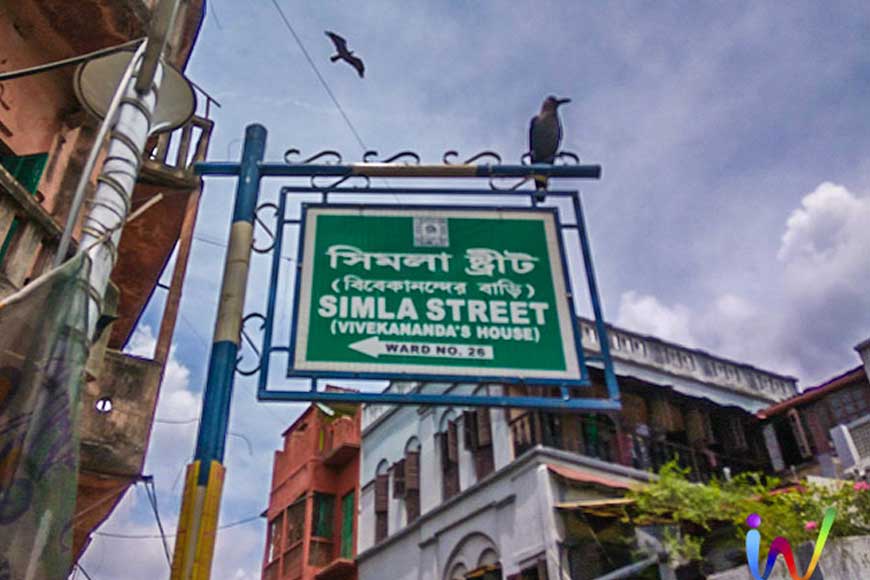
x=792, y=511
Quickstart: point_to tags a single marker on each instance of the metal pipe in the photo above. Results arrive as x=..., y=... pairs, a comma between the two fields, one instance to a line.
x=101, y=231
x=631, y=570
x=387, y=398
x=230, y=168
x=84, y=178
x=50, y=66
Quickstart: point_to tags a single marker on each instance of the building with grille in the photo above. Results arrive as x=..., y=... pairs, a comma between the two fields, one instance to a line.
x=311, y=531
x=452, y=493
x=45, y=137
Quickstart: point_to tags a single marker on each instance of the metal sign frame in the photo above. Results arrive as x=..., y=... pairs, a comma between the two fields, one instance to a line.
x=568, y=393
x=268, y=350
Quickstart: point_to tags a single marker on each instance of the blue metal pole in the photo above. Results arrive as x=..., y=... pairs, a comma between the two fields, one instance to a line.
x=600, y=327
x=200, y=508
x=221, y=371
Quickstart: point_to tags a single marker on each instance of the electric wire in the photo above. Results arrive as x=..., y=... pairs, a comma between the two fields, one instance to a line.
x=50, y=66
x=151, y=492
x=82, y=570
x=172, y=535
x=320, y=76
x=326, y=87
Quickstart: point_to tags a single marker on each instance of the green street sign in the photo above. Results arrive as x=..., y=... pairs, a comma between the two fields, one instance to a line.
x=473, y=294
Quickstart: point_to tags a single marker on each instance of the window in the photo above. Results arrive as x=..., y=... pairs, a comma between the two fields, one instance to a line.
x=478, y=439
x=275, y=529
x=295, y=521
x=324, y=508
x=347, y=519
x=736, y=433
x=449, y=460
x=406, y=480
x=800, y=434
x=399, y=479
x=27, y=169
x=412, y=484
x=849, y=404
x=382, y=501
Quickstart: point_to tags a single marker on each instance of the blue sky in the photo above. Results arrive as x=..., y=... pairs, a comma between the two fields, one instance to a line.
x=732, y=214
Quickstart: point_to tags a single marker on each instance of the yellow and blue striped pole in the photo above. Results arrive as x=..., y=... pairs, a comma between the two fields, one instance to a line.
x=200, y=504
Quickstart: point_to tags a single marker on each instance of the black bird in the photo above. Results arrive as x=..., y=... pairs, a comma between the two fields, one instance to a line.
x=545, y=135
x=345, y=54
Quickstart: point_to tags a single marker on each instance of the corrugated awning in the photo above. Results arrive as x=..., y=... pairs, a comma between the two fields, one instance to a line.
x=611, y=507
x=586, y=477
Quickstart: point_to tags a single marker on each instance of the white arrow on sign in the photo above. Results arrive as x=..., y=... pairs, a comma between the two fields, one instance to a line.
x=374, y=347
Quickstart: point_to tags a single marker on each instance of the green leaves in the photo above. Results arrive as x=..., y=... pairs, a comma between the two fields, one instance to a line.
x=788, y=510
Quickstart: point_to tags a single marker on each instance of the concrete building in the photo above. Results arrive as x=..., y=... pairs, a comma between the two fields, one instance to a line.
x=489, y=493
x=45, y=136
x=825, y=430
x=311, y=532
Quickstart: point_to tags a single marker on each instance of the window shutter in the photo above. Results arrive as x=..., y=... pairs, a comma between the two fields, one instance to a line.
x=800, y=435
x=452, y=443
x=469, y=428
x=484, y=427
x=412, y=471
x=382, y=483
x=399, y=478
x=738, y=436
x=695, y=427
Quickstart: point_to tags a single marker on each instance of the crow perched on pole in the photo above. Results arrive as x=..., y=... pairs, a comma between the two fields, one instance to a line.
x=545, y=135
x=345, y=54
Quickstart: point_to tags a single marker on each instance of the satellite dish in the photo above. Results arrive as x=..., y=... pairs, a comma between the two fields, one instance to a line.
x=96, y=80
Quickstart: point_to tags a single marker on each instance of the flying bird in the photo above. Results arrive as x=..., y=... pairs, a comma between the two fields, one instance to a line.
x=345, y=54
x=545, y=135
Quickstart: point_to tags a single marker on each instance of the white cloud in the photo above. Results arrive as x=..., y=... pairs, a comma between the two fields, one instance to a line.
x=645, y=314
x=176, y=398
x=808, y=318
x=826, y=241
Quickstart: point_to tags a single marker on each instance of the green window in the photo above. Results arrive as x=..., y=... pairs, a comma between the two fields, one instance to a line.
x=27, y=170
x=347, y=516
x=324, y=508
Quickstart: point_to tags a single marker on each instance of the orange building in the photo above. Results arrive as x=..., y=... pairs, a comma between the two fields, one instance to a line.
x=314, y=499
x=45, y=137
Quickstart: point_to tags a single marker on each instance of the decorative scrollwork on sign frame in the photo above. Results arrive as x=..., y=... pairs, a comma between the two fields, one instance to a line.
x=336, y=182
x=563, y=156
x=247, y=339
x=449, y=157
x=326, y=157
x=269, y=233
x=512, y=183
x=408, y=157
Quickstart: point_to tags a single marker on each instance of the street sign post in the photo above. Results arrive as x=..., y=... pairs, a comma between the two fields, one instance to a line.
x=432, y=292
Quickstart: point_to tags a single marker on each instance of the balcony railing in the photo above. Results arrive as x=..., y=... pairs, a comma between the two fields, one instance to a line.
x=170, y=156
x=320, y=552
x=598, y=437
x=648, y=453
x=341, y=442
x=33, y=235
x=585, y=435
